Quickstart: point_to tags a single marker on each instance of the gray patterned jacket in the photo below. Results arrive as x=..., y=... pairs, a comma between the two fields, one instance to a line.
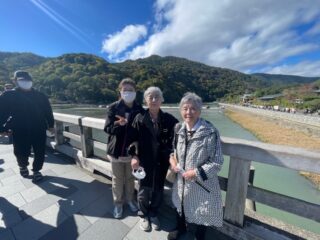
x=204, y=154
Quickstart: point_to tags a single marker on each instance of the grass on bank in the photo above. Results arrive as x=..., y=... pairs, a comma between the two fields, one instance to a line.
x=271, y=131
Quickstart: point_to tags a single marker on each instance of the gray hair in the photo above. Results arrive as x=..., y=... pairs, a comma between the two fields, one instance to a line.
x=151, y=90
x=192, y=98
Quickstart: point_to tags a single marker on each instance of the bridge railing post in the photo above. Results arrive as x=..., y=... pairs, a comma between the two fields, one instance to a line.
x=58, y=135
x=250, y=204
x=238, y=177
x=86, y=140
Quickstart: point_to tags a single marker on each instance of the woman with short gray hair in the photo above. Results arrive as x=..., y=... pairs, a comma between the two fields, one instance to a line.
x=193, y=98
x=197, y=159
x=154, y=134
x=153, y=91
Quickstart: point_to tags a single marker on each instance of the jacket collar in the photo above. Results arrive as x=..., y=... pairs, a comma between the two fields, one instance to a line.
x=148, y=122
x=203, y=130
x=121, y=104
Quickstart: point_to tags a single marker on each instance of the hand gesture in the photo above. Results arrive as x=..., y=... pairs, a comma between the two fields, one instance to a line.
x=122, y=121
x=189, y=174
x=135, y=162
x=7, y=133
x=51, y=130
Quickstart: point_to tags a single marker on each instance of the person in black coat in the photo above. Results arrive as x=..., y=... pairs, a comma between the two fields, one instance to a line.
x=120, y=115
x=153, y=134
x=28, y=114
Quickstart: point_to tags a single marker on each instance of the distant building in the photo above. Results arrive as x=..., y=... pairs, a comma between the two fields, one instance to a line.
x=298, y=101
x=270, y=97
x=317, y=91
x=247, y=98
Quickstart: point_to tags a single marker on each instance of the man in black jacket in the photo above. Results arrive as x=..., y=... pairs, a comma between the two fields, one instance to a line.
x=30, y=116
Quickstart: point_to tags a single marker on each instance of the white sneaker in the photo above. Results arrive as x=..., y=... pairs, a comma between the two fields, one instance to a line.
x=117, y=211
x=133, y=206
x=145, y=224
x=155, y=223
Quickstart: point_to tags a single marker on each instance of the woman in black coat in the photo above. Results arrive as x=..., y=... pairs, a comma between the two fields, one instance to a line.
x=154, y=134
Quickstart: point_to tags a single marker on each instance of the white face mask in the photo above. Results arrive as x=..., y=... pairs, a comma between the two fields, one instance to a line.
x=26, y=85
x=128, y=97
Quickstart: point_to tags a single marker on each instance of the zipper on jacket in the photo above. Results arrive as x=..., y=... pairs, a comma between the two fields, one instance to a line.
x=184, y=166
x=124, y=141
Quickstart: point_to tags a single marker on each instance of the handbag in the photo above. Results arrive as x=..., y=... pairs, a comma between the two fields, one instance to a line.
x=171, y=176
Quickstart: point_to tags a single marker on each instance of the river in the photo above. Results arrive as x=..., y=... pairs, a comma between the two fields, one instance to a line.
x=276, y=179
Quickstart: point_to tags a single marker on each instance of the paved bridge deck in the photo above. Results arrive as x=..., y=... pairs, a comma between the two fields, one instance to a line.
x=69, y=203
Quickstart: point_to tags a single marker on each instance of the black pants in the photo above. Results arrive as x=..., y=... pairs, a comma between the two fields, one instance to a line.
x=149, y=201
x=22, y=144
x=190, y=230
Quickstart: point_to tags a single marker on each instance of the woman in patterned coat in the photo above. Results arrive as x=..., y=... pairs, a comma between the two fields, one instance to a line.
x=197, y=160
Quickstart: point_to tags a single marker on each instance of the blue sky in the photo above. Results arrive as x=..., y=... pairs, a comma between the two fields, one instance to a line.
x=272, y=36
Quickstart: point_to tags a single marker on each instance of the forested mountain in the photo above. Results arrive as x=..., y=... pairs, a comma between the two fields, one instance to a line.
x=279, y=79
x=176, y=76
x=10, y=62
x=88, y=78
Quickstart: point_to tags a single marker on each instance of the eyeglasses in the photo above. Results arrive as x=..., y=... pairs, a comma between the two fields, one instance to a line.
x=153, y=98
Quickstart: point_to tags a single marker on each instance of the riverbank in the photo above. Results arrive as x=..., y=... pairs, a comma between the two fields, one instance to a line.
x=271, y=131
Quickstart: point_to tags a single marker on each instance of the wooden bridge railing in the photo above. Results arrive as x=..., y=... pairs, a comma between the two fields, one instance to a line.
x=241, y=153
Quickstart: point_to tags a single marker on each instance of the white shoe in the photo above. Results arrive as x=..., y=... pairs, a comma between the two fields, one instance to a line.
x=133, y=206
x=117, y=211
x=145, y=224
x=155, y=223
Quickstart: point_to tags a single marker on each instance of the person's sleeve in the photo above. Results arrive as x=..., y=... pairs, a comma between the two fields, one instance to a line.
x=172, y=136
x=4, y=112
x=133, y=137
x=48, y=113
x=214, y=163
x=109, y=126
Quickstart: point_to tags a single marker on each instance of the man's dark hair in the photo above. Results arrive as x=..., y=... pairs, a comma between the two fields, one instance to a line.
x=127, y=81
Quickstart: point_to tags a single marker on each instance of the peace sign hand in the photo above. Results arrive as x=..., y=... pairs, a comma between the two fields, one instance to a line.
x=122, y=121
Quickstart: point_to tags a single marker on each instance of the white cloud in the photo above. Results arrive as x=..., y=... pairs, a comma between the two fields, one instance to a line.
x=306, y=68
x=315, y=29
x=241, y=35
x=120, y=41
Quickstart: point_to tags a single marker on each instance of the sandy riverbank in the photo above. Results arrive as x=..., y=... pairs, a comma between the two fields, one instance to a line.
x=269, y=131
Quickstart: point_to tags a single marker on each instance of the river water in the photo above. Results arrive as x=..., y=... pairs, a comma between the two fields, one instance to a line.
x=276, y=179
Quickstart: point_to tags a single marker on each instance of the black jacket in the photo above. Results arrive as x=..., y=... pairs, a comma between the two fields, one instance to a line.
x=119, y=136
x=154, y=149
x=30, y=112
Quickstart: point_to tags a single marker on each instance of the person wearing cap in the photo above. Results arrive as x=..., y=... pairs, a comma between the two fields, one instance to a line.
x=120, y=115
x=154, y=134
x=8, y=87
x=31, y=115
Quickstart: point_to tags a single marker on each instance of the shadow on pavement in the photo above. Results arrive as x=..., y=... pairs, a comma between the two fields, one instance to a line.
x=11, y=216
x=1, y=162
x=77, y=204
